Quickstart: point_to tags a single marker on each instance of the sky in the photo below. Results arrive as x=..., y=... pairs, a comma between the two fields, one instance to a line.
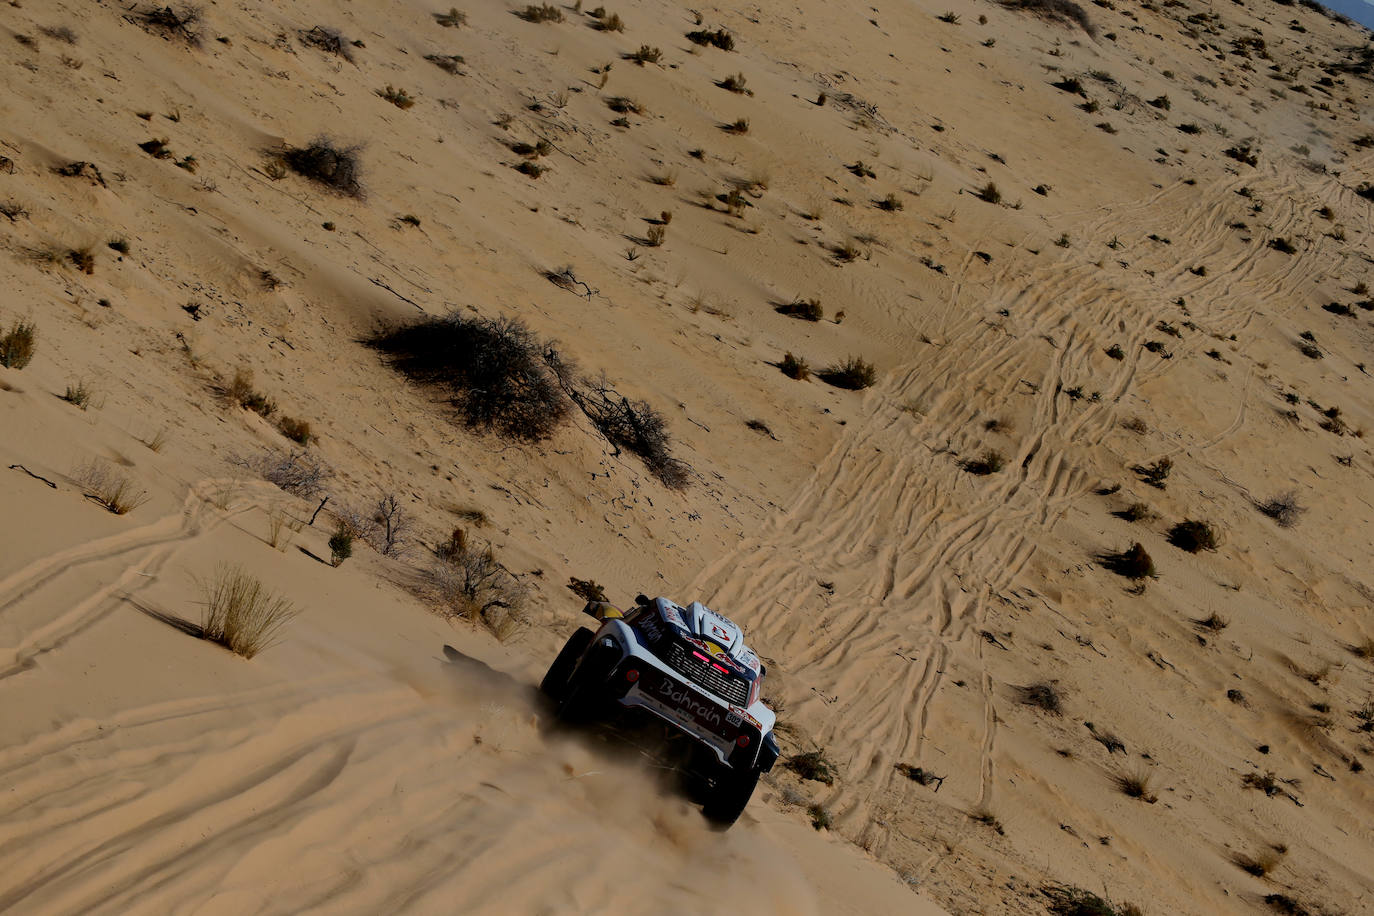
x=1359, y=10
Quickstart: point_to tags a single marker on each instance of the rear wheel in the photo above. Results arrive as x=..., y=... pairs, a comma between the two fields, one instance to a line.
x=730, y=795
x=586, y=688
x=555, y=683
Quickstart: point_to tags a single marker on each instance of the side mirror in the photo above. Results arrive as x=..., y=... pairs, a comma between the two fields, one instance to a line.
x=640, y=599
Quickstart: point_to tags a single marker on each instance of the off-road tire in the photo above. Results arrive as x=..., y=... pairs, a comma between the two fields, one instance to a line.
x=555, y=683
x=730, y=795
x=585, y=695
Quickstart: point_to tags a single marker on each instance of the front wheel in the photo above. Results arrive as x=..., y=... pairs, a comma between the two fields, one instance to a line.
x=730, y=795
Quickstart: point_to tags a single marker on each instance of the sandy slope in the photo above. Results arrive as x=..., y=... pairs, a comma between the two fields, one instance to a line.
x=382, y=758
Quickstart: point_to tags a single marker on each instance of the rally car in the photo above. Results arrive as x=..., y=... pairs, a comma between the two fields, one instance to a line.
x=686, y=667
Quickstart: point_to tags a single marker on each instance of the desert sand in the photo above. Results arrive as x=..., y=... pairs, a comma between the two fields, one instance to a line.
x=1070, y=250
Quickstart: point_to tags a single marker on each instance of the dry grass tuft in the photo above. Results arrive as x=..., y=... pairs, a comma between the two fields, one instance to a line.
x=854, y=374
x=795, y=367
x=241, y=614
x=541, y=13
x=17, y=345
x=469, y=582
x=298, y=473
x=111, y=489
x=1135, y=784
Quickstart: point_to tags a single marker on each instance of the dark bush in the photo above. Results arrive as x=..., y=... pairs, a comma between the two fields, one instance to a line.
x=182, y=22
x=330, y=165
x=1058, y=10
x=1193, y=536
x=541, y=13
x=496, y=371
x=719, y=39
x=805, y=309
x=1154, y=474
x=795, y=367
x=812, y=765
x=1242, y=153
x=1042, y=696
x=854, y=374
x=586, y=589
x=990, y=462
x=1074, y=901
x=989, y=193
x=1132, y=563
x=297, y=431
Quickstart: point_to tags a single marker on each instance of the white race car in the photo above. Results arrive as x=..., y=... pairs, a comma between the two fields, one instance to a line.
x=687, y=667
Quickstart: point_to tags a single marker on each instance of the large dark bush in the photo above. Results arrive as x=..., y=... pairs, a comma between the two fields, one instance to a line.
x=496, y=371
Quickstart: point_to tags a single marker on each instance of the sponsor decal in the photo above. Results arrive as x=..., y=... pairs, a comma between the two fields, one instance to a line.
x=683, y=698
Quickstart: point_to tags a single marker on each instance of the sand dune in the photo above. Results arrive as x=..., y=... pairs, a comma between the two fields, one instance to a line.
x=1070, y=253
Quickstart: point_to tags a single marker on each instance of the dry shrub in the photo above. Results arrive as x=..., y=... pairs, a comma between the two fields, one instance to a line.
x=719, y=38
x=330, y=41
x=1135, y=784
x=391, y=525
x=398, y=97
x=1041, y=696
x=1132, y=563
x=297, y=431
x=182, y=21
x=542, y=13
x=17, y=344
x=1283, y=509
x=1193, y=536
x=805, y=309
x=110, y=488
x=990, y=462
x=1057, y=10
x=854, y=374
x=645, y=55
x=1135, y=512
x=241, y=614
x=812, y=765
x=453, y=19
x=469, y=582
x=1154, y=474
x=989, y=193
x=1074, y=901
x=326, y=162
x=586, y=589
x=634, y=425
x=795, y=367
x=1259, y=865
x=298, y=473
x=496, y=371
x=449, y=63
